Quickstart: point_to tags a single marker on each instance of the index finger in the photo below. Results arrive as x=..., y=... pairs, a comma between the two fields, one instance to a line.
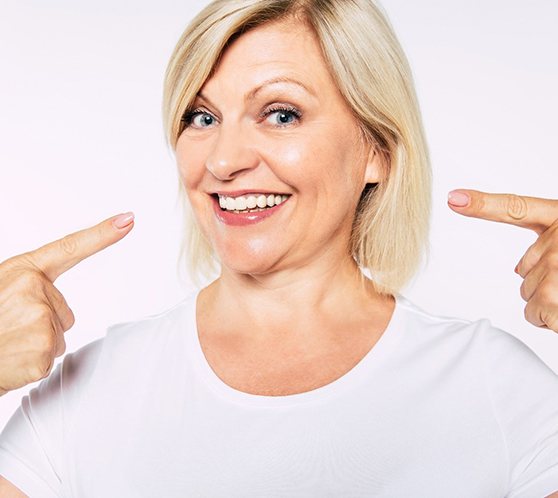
x=58, y=256
x=528, y=212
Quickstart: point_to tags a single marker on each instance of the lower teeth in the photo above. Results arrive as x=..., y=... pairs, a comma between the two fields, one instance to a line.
x=247, y=210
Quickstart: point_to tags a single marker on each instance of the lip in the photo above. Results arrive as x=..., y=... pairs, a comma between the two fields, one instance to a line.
x=236, y=193
x=243, y=219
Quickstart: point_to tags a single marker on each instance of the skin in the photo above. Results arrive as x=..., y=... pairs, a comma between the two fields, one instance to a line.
x=289, y=297
x=288, y=284
x=34, y=315
x=539, y=265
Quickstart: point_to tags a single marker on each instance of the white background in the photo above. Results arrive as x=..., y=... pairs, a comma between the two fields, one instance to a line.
x=81, y=140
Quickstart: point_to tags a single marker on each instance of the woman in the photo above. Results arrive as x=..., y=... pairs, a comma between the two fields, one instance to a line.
x=300, y=148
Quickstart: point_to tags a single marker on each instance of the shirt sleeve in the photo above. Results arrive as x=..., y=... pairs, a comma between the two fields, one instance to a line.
x=524, y=392
x=32, y=444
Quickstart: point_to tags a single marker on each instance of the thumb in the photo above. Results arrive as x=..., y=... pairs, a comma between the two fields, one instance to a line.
x=58, y=256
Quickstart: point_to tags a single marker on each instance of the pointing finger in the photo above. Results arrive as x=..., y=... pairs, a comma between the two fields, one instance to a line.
x=528, y=212
x=56, y=257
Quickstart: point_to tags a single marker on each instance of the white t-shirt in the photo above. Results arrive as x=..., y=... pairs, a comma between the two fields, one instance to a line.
x=439, y=407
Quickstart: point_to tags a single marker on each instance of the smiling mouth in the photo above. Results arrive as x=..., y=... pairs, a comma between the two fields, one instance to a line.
x=249, y=203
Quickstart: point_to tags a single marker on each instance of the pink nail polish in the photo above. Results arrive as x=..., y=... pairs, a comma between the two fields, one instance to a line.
x=123, y=220
x=458, y=199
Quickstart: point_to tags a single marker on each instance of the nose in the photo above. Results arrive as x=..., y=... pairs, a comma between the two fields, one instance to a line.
x=231, y=154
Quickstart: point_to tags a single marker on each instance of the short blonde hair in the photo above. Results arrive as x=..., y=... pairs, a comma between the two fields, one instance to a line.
x=390, y=230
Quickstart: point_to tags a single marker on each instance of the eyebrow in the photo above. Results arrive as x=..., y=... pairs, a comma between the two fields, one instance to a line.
x=280, y=79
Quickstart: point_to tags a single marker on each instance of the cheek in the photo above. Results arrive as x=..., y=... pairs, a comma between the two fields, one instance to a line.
x=286, y=157
x=344, y=165
x=297, y=160
x=292, y=155
x=190, y=160
x=321, y=161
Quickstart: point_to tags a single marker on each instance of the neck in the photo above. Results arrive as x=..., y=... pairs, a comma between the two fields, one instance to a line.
x=293, y=302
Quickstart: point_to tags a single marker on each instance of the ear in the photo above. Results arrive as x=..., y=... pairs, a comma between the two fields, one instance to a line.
x=374, y=172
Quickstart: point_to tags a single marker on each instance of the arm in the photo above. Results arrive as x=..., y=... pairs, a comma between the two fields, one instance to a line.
x=8, y=490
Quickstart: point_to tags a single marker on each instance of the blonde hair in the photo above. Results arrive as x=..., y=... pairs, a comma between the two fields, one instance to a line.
x=390, y=229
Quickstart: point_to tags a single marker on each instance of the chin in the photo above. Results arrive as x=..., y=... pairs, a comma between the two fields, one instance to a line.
x=249, y=259
x=249, y=266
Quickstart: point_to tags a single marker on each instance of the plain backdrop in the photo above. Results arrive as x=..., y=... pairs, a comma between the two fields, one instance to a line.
x=81, y=140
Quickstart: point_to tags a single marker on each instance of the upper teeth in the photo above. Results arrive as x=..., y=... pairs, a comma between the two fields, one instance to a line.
x=250, y=201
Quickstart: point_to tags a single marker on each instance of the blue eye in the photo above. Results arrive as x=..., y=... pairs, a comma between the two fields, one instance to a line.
x=198, y=119
x=278, y=115
x=202, y=120
x=282, y=116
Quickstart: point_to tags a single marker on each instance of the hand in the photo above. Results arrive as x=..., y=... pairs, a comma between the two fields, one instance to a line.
x=33, y=313
x=539, y=265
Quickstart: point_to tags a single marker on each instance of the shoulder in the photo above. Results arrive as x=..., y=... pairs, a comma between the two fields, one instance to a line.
x=502, y=352
x=125, y=347
x=139, y=333
x=511, y=367
x=440, y=331
x=433, y=323
x=152, y=330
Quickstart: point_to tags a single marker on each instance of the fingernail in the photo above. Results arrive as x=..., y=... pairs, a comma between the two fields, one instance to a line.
x=123, y=220
x=517, y=268
x=458, y=199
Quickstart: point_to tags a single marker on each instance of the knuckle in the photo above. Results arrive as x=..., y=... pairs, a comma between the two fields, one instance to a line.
x=41, y=313
x=68, y=244
x=530, y=313
x=550, y=318
x=480, y=204
x=547, y=296
x=531, y=306
x=35, y=372
x=45, y=341
x=71, y=318
x=516, y=206
x=11, y=261
x=46, y=366
x=527, y=312
x=523, y=291
x=30, y=280
x=15, y=263
x=61, y=349
x=41, y=368
x=531, y=256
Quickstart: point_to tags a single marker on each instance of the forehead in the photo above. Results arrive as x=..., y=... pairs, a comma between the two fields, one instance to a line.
x=273, y=50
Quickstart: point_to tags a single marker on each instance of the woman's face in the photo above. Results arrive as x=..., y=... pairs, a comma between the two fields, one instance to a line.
x=269, y=125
